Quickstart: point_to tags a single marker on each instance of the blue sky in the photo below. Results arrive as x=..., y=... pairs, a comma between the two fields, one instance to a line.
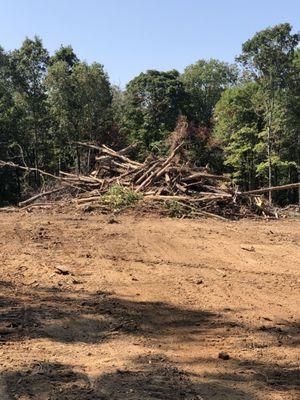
x=131, y=36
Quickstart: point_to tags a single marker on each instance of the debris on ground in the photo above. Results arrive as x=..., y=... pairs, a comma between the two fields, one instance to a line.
x=169, y=184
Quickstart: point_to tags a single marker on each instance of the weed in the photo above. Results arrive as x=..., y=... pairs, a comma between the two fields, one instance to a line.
x=118, y=197
x=174, y=208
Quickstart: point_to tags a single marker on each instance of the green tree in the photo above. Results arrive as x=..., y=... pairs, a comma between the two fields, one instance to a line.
x=6, y=99
x=66, y=54
x=239, y=126
x=153, y=103
x=119, y=135
x=204, y=83
x=7, y=179
x=80, y=105
x=29, y=66
x=269, y=58
x=287, y=131
x=293, y=115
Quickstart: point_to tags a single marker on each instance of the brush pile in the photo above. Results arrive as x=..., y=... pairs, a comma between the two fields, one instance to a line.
x=169, y=185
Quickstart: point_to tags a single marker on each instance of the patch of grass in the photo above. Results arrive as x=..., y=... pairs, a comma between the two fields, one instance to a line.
x=174, y=208
x=119, y=197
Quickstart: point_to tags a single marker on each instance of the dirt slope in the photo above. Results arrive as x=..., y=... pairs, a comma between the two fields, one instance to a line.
x=140, y=308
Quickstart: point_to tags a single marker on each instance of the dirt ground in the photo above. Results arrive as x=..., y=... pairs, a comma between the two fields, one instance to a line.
x=127, y=308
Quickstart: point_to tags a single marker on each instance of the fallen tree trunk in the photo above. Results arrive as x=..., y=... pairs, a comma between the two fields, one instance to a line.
x=273, y=189
x=28, y=169
x=37, y=205
x=113, y=153
x=187, y=198
x=167, y=198
x=99, y=148
x=205, y=175
x=147, y=172
x=37, y=196
x=9, y=209
x=88, y=199
x=39, y=171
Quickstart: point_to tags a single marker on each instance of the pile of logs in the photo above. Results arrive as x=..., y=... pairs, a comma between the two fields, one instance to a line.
x=196, y=190
x=163, y=181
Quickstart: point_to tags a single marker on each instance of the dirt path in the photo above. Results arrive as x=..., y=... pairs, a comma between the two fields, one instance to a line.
x=130, y=309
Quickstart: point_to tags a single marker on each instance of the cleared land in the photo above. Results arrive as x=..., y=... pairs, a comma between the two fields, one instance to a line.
x=140, y=308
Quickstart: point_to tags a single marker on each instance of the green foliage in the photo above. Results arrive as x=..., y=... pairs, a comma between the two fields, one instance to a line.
x=28, y=70
x=153, y=103
x=174, y=209
x=242, y=130
x=66, y=54
x=79, y=102
x=239, y=122
x=49, y=102
x=204, y=82
x=269, y=56
x=119, y=197
x=118, y=106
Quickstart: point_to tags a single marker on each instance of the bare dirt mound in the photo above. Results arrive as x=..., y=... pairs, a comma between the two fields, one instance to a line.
x=131, y=308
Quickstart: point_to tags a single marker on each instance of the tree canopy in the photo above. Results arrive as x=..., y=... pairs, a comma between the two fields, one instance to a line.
x=244, y=118
x=204, y=83
x=153, y=103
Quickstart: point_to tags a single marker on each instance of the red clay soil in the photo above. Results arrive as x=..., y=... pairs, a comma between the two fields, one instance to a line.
x=137, y=308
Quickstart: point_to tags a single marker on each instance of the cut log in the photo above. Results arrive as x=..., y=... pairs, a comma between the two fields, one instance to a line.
x=88, y=199
x=28, y=169
x=147, y=181
x=113, y=153
x=273, y=189
x=162, y=171
x=181, y=187
x=190, y=199
x=167, y=198
x=147, y=172
x=37, y=205
x=207, y=176
x=173, y=153
x=99, y=148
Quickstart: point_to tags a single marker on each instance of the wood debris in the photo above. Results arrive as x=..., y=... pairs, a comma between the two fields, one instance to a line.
x=180, y=188
x=169, y=180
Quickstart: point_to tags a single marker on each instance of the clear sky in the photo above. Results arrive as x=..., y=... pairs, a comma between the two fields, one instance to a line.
x=131, y=36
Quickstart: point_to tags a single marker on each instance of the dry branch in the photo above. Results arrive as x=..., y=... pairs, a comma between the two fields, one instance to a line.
x=38, y=196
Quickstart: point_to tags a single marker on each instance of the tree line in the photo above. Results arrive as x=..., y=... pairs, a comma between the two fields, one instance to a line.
x=244, y=118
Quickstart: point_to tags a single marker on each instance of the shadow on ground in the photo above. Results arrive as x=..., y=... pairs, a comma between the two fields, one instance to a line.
x=158, y=380
x=147, y=382
x=76, y=316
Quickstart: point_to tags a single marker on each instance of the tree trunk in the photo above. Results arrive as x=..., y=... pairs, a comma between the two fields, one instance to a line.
x=36, y=164
x=299, y=186
x=78, y=160
x=269, y=145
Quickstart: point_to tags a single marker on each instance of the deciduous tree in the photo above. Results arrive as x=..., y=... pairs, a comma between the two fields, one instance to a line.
x=269, y=57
